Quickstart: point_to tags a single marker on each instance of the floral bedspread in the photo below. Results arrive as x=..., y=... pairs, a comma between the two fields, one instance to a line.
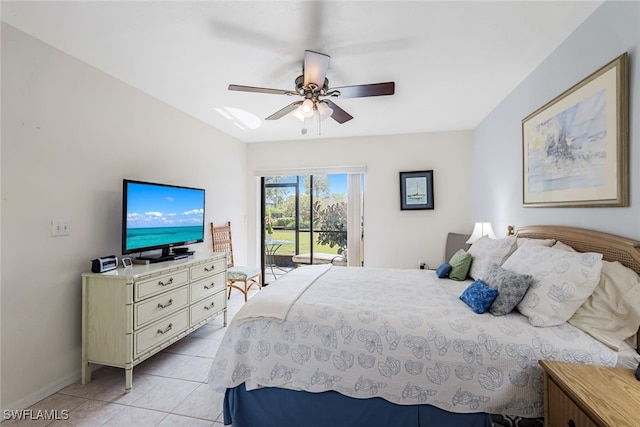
x=404, y=336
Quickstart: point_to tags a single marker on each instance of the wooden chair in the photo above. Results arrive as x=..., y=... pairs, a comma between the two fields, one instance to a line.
x=249, y=276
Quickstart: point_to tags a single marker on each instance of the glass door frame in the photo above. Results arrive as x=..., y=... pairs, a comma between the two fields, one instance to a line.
x=263, y=211
x=295, y=181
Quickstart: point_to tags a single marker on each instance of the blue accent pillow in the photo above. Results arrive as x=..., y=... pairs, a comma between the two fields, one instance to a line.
x=479, y=296
x=444, y=270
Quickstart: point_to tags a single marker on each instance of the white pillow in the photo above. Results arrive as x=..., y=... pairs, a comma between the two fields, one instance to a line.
x=612, y=313
x=564, y=280
x=529, y=241
x=486, y=252
x=563, y=247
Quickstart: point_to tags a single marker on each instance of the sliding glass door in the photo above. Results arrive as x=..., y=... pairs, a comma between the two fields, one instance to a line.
x=305, y=221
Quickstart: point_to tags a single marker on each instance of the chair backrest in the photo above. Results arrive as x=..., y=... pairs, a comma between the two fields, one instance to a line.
x=221, y=239
x=455, y=241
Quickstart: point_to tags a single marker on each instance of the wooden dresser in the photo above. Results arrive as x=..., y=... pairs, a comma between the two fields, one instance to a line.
x=129, y=314
x=578, y=395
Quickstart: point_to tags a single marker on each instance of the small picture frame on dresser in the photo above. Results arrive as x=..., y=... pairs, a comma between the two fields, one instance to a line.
x=126, y=262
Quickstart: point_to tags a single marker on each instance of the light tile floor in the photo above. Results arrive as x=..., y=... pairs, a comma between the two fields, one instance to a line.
x=169, y=389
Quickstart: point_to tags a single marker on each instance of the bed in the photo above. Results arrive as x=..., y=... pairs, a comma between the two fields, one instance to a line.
x=346, y=346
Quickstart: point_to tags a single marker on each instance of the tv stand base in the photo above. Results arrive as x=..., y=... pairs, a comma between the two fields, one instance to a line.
x=162, y=258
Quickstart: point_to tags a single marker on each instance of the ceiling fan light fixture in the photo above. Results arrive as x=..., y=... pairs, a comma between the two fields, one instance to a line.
x=307, y=108
x=313, y=87
x=324, y=110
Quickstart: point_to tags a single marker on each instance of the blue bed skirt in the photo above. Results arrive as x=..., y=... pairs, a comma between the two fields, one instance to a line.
x=277, y=407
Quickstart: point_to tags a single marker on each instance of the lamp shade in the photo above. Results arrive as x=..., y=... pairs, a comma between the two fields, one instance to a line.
x=307, y=108
x=481, y=229
x=324, y=110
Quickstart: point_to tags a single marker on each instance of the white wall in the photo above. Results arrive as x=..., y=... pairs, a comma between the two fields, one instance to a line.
x=393, y=238
x=70, y=134
x=497, y=149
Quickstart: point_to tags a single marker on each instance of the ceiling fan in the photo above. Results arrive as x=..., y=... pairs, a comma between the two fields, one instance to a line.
x=313, y=87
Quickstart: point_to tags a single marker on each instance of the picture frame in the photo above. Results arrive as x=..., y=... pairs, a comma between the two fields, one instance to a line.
x=575, y=147
x=416, y=190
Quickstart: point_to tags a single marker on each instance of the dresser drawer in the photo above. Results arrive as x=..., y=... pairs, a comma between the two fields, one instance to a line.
x=149, y=287
x=207, y=307
x=161, y=331
x=562, y=410
x=157, y=307
x=208, y=268
x=208, y=286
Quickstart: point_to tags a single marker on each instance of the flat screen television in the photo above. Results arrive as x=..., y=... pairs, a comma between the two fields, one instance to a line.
x=160, y=216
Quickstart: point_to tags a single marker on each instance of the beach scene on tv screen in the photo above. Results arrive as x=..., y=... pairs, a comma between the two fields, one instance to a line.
x=158, y=215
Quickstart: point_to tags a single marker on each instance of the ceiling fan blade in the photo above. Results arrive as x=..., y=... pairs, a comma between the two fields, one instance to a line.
x=261, y=90
x=315, y=67
x=339, y=115
x=361, y=91
x=283, y=112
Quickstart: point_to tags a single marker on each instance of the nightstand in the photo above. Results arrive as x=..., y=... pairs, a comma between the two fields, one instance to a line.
x=578, y=395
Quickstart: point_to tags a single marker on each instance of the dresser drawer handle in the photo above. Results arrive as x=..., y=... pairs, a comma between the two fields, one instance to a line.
x=161, y=283
x=210, y=306
x=161, y=332
x=160, y=305
x=207, y=269
x=571, y=423
x=211, y=286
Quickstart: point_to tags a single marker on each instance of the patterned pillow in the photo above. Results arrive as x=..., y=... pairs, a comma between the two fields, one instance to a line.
x=486, y=252
x=443, y=270
x=479, y=296
x=563, y=247
x=511, y=288
x=564, y=280
x=460, y=263
x=529, y=241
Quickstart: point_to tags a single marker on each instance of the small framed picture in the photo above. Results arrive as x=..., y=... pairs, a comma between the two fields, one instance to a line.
x=126, y=262
x=416, y=190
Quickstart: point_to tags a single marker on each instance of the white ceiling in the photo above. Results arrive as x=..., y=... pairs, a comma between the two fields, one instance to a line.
x=452, y=61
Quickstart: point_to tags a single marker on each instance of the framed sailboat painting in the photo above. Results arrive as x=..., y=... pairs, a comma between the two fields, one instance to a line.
x=575, y=148
x=416, y=190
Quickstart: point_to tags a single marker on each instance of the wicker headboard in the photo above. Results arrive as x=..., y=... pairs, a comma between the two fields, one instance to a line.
x=612, y=247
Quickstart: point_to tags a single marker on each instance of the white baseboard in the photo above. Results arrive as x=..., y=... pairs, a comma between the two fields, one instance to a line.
x=44, y=392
